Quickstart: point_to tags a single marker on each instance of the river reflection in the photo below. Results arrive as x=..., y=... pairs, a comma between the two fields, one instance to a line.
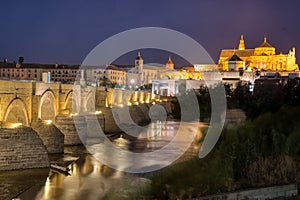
x=155, y=137
x=90, y=179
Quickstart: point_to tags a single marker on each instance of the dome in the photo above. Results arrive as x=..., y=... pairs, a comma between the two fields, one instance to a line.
x=265, y=44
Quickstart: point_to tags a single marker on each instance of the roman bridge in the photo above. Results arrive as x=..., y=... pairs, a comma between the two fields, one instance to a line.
x=38, y=118
x=25, y=103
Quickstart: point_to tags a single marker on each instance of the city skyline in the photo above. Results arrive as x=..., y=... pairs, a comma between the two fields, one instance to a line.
x=65, y=32
x=134, y=99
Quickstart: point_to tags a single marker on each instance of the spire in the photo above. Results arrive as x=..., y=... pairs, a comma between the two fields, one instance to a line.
x=170, y=60
x=139, y=60
x=170, y=63
x=242, y=43
x=139, y=57
x=265, y=39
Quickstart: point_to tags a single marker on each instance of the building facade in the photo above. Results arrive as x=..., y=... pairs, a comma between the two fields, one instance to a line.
x=143, y=74
x=27, y=71
x=105, y=75
x=261, y=58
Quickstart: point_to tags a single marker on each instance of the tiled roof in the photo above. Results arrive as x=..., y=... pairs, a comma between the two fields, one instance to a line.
x=112, y=67
x=240, y=53
x=235, y=58
x=7, y=65
x=38, y=66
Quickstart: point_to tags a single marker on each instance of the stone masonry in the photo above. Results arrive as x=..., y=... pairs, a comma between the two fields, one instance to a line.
x=22, y=148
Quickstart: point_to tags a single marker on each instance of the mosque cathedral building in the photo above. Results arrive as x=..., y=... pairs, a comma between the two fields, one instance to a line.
x=261, y=58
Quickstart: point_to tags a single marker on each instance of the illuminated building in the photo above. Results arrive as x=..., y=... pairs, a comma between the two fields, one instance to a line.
x=170, y=64
x=27, y=71
x=143, y=74
x=205, y=67
x=104, y=75
x=261, y=58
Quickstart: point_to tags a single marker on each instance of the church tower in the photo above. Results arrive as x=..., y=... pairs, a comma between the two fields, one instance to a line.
x=242, y=43
x=139, y=63
x=170, y=63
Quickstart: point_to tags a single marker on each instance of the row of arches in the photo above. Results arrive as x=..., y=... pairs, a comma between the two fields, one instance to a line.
x=17, y=111
x=48, y=107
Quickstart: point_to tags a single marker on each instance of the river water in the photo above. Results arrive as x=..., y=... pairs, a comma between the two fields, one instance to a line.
x=89, y=179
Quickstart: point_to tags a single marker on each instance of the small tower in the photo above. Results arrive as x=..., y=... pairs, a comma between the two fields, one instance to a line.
x=170, y=63
x=294, y=52
x=139, y=63
x=242, y=43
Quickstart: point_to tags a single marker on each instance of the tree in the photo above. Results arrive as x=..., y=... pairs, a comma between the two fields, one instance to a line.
x=104, y=81
x=21, y=60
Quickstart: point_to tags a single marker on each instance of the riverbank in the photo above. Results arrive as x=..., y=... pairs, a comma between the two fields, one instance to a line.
x=256, y=154
x=22, y=183
x=14, y=183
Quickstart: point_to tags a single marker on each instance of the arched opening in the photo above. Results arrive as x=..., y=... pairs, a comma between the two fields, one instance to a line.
x=90, y=103
x=16, y=113
x=71, y=103
x=47, y=108
x=68, y=101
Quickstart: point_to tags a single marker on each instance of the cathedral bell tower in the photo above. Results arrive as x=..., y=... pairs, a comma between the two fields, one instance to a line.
x=242, y=43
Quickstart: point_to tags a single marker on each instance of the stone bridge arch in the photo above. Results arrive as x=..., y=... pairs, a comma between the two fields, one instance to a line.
x=47, y=107
x=71, y=102
x=16, y=112
x=90, y=102
x=68, y=101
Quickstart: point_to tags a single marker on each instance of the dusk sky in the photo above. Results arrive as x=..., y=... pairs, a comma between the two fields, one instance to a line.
x=65, y=32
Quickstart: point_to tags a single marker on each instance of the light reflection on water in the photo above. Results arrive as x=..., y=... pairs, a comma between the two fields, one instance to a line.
x=89, y=179
x=155, y=137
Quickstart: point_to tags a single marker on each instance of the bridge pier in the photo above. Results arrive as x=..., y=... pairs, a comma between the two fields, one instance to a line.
x=22, y=148
x=110, y=125
x=51, y=136
x=66, y=124
x=95, y=124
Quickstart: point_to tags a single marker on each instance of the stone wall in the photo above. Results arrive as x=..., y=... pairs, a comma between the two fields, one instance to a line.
x=21, y=148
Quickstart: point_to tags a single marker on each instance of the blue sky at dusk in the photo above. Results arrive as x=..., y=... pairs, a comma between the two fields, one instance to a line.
x=66, y=31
